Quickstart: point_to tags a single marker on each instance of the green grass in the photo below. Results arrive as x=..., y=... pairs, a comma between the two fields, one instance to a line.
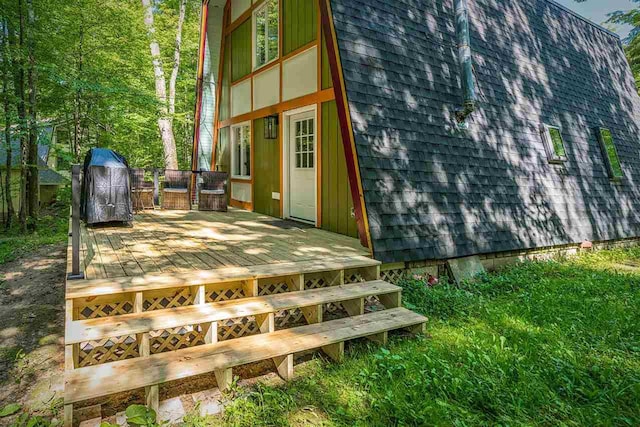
x=52, y=227
x=549, y=343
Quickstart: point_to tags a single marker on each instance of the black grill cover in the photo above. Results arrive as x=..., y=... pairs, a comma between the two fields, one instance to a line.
x=106, y=192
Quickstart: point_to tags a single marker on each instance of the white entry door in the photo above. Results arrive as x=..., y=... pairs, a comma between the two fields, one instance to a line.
x=302, y=167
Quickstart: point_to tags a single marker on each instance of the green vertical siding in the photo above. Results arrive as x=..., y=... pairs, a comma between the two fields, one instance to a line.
x=225, y=107
x=327, y=82
x=266, y=171
x=299, y=24
x=223, y=152
x=337, y=202
x=223, y=155
x=241, y=51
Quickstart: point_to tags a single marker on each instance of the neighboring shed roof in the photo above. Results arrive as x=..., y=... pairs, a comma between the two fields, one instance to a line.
x=433, y=192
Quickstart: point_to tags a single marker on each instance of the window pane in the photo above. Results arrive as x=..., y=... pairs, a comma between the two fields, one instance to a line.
x=311, y=145
x=261, y=25
x=556, y=141
x=273, y=30
x=612, y=154
x=304, y=160
x=298, y=160
x=311, y=160
x=237, y=164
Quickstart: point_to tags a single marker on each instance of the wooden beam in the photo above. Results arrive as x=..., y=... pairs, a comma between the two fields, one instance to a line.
x=266, y=323
x=393, y=300
x=313, y=98
x=284, y=365
x=335, y=351
x=354, y=307
x=224, y=378
x=313, y=314
x=346, y=126
x=382, y=338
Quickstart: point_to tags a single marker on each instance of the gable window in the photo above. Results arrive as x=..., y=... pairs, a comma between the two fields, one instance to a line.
x=610, y=153
x=241, y=151
x=554, y=144
x=266, y=34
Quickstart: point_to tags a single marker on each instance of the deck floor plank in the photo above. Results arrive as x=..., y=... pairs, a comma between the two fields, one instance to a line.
x=181, y=241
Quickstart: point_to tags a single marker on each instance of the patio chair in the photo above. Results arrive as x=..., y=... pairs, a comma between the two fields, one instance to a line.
x=176, y=193
x=141, y=191
x=213, y=192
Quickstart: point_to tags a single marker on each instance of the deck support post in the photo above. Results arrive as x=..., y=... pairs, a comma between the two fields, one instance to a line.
x=251, y=288
x=284, y=365
x=266, y=322
x=335, y=351
x=313, y=314
x=419, y=329
x=296, y=283
x=371, y=273
x=391, y=300
x=209, y=329
x=156, y=187
x=75, y=224
x=152, y=397
x=224, y=378
x=382, y=338
x=68, y=415
x=354, y=307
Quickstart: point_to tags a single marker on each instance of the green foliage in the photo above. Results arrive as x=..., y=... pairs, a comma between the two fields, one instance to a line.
x=542, y=343
x=140, y=416
x=9, y=409
x=93, y=60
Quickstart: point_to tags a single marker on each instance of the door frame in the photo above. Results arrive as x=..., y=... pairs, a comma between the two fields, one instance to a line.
x=286, y=165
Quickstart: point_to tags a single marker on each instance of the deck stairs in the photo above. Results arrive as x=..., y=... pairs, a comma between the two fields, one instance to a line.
x=140, y=332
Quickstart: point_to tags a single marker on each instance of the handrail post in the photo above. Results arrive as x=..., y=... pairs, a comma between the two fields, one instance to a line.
x=156, y=187
x=75, y=224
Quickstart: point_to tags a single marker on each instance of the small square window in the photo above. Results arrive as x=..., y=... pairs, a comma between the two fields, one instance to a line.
x=554, y=144
x=241, y=151
x=610, y=153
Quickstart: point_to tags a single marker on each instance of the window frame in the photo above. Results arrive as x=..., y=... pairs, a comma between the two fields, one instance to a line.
x=552, y=156
x=254, y=34
x=234, y=142
x=605, y=153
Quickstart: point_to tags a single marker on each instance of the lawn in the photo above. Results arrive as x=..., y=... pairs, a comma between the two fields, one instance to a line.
x=548, y=343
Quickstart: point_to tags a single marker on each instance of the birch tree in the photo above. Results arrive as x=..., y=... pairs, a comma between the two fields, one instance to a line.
x=166, y=104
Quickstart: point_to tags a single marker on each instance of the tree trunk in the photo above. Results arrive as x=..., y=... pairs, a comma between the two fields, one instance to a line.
x=165, y=124
x=176, y=60
x=78, y=95
x=33, y=184
x=6, y=59
x=22, y=113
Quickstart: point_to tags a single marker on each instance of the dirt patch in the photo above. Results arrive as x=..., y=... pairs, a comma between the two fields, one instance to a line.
x=32, y=331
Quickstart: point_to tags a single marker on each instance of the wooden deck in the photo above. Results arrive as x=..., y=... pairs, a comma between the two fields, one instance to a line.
x=176, y=241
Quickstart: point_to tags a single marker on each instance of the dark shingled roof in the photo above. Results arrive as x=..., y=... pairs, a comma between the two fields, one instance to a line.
x=433, y=192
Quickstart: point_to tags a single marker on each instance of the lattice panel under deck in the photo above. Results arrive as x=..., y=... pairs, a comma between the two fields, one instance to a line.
x=217, y=295
x=105, y=310
x=175, y=339
x=174, y=298
x=107, y=350
x=236, y=328
x=353, y=276
x=324, y=281
x=273, y=288
x=394, y=276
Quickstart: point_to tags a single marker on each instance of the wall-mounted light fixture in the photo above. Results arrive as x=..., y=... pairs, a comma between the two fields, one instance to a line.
x=271, y=127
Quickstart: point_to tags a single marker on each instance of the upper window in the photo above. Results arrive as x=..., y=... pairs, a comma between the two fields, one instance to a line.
x=266, y=34
x=241, y=151
x=610, y=153
x=554, y=144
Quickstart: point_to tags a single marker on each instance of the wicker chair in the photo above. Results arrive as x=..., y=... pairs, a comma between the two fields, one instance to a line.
x=213, y=192
x=141, y=191
x=176, y=193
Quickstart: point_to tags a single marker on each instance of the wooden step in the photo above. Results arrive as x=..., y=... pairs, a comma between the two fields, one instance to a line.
x=131, y=324
x=102, y=380
x=98, y=287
